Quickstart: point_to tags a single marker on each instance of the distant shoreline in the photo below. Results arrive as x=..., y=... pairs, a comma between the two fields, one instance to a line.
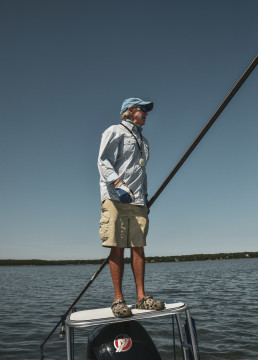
x=149, y=259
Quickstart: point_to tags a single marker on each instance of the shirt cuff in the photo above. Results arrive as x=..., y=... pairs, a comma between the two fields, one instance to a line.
x=111, y=178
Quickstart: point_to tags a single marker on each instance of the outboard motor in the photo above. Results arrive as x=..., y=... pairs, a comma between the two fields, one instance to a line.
x=123, y=340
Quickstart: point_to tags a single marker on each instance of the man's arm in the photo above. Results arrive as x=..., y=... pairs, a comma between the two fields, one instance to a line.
x=107, y=156
x=106, y=163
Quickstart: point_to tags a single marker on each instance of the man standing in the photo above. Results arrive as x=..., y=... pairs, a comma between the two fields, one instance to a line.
x=122, y=160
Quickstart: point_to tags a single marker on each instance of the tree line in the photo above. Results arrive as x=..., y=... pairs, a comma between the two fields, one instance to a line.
x=148, y=259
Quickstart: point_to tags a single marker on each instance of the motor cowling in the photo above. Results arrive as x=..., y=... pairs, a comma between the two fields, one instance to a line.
x=122, y=340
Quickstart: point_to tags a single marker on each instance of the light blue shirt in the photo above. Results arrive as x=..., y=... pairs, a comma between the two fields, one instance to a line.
x=119, y=157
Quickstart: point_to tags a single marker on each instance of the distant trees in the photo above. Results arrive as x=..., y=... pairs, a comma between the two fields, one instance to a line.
x=149, y=259
x=203, y=257
x=31, y=262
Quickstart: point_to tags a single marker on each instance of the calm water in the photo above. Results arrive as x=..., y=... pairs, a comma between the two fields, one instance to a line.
x=222, y=296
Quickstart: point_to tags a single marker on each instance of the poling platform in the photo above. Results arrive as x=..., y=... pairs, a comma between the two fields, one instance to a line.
x=104, y=316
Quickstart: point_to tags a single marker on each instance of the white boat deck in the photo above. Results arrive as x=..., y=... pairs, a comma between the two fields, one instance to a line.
x=100, y=316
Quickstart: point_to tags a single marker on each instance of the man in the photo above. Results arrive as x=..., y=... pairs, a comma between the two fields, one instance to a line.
x=122, y=160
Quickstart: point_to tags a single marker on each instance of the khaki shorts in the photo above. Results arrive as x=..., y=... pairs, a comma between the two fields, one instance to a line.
x=123, y=225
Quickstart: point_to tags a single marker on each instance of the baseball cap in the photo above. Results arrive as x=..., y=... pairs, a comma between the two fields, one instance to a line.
x=135, y=101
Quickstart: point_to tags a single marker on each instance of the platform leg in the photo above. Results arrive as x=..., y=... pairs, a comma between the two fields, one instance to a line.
x=179, y=326
x=68, y=332
x=195, y=355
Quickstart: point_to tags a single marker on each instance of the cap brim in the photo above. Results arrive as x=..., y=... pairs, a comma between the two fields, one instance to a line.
x=148, y=105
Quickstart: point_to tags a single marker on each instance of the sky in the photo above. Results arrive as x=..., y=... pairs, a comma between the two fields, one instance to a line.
x=67, y=66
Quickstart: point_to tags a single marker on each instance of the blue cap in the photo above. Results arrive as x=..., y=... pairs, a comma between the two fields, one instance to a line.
x=135, y=101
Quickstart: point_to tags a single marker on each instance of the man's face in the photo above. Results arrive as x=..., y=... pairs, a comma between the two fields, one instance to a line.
x=139, y=115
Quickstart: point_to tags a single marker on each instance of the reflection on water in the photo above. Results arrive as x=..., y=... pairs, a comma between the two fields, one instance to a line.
x=222, y=296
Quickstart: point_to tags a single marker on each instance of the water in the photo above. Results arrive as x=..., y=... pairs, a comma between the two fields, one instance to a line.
x=222, y=296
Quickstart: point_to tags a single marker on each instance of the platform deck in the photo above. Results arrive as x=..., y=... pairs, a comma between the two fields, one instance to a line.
x=100, y=316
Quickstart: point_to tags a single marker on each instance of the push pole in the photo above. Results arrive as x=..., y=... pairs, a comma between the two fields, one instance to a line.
x=63, y=317
x=214, y=117
x=170, y=176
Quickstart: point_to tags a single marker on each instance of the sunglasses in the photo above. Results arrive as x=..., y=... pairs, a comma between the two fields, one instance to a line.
x=143, y=108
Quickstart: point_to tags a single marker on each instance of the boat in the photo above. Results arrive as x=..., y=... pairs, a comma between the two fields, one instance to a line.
x=115, y=338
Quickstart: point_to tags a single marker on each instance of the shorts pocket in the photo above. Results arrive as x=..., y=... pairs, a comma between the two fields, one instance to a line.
x=104, y=227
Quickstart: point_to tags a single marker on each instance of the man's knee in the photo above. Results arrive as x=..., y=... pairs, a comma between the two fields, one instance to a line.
x=116, y=252
x=138, y=251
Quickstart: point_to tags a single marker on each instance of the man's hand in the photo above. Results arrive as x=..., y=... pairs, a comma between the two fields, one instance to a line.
x=124, y=192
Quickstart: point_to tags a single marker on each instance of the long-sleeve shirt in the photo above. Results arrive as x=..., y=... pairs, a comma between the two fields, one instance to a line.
x=119, y=157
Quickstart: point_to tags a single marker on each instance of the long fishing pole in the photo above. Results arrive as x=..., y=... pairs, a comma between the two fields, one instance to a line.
x=214, y=117
x=63, y=317
x=167, y=180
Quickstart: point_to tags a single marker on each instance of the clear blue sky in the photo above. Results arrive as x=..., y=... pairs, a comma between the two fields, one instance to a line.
x=66, y=67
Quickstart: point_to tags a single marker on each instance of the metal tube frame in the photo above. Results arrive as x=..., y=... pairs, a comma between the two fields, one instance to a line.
x=68, y=332
x=181, y=337
x=69, y=328
x=194, y=350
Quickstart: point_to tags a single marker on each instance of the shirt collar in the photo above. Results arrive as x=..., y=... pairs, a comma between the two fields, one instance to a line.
x=132, y=125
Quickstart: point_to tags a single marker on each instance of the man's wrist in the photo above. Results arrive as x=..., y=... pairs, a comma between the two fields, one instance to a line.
x=116, y=182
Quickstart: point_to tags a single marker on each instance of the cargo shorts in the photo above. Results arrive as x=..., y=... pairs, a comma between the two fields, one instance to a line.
x=123, y=225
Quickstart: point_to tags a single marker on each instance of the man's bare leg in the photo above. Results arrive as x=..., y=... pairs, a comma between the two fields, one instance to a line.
x=138, y=267
x=116, y=264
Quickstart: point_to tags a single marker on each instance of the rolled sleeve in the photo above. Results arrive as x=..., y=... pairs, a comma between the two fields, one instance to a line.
x=107, y=157
x=112, y=177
